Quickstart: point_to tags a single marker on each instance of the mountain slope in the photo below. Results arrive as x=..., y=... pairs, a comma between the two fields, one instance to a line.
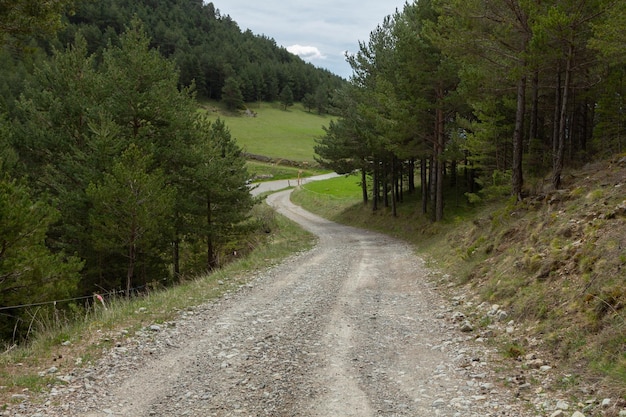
x=207, y=46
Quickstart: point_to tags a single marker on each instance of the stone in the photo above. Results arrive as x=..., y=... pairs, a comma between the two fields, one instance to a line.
x=578, y=414
x=562, y=405
x=502, y=315
x=606, y=402
x=440, y=402
x=535, y=363
x=457, y=316
x=65, y=378
x=467, y=327
x=557, y=413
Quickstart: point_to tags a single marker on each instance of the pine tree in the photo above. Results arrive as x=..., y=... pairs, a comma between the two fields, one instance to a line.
x=231, y=94
x=132, y=212
x=29, y=271
x=221, y=196
x=286, y=97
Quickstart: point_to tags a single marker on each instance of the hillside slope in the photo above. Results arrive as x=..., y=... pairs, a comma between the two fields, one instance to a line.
x=208, y=47
x=545, y=280
x=557, y=264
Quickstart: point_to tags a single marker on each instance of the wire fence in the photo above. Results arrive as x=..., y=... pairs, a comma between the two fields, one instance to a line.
x=98, y=296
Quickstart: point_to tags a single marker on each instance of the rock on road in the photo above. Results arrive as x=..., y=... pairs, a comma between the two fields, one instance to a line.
x=350, y=328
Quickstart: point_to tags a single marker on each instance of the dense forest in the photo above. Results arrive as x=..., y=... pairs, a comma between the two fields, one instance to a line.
x=111, y=181
x=498, y=97
x=210, y=50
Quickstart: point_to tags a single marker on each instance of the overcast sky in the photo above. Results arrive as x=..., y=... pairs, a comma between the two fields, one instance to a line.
x=320, y=31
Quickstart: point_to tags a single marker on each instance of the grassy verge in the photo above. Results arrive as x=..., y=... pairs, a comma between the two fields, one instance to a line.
x=64, y=345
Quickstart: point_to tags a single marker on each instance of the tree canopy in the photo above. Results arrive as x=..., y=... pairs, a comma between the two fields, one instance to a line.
x=208, y=47
x=506, y=92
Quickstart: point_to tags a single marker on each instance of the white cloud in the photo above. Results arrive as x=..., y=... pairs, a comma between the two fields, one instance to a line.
x=330, y=25
x=308, y=53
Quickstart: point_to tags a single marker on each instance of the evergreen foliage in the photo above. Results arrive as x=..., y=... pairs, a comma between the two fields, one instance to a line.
x=137, y=177
x=497, y=91
x=29, y=271
x=20, y=18
x=131, y=214
x=208, y=47
x=286, y=97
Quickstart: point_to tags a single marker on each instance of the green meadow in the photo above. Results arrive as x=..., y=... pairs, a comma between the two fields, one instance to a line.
x=329, y=198
x=273, y=132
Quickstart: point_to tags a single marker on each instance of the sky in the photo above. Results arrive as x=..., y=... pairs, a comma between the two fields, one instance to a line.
x=319, y=31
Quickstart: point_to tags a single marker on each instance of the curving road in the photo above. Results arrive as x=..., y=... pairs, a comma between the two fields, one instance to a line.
x=349, y=328
x=262, y=187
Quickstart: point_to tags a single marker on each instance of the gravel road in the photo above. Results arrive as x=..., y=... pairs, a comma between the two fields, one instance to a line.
x=353, y=327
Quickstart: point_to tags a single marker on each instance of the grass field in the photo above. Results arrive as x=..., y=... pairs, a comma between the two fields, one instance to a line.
x=329, y=198
x=274, y=132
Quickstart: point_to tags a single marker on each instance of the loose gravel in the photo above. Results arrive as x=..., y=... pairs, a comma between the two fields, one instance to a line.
x=353, y=327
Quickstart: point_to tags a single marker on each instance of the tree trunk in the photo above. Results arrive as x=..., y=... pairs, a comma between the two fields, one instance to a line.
x=439, y=164
x=424, y=184
x=210, y=250
x=557, y=112
x=518, y=140
x=440, y=182
x=375, y=186
x=432, y=183
x=131, y=266
x=385, y=180
x=176, y=256
x=560, y=153
x=399, y=181
x=364, y=185
x=533, y=132
x=411, y=175
x=394, y=194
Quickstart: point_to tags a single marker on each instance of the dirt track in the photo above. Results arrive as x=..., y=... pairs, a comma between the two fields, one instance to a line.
x=349, y=328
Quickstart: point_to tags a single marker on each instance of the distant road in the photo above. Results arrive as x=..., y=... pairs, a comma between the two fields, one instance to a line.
x=262, y=187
